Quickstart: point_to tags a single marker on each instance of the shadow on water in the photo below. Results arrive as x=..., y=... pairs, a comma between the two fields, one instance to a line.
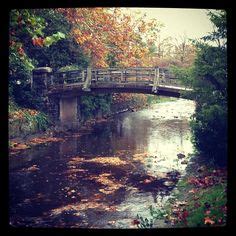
x=104, y=178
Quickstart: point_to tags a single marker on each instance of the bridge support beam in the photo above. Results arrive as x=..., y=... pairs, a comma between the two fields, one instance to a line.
x=63, y=111
x=69, y=112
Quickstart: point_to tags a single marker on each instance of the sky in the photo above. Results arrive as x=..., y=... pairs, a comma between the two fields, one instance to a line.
x=193, y=22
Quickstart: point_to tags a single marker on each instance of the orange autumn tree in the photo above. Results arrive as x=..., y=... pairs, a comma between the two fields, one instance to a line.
x=112, y=36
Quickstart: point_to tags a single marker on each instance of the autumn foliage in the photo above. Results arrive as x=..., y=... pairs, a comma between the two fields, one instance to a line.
x=105, y=33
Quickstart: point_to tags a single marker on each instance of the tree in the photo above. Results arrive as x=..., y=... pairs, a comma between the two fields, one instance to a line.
x=209, y=82
x=25, y=28
x=109, y=36
x=66, y=51
x=184, y=51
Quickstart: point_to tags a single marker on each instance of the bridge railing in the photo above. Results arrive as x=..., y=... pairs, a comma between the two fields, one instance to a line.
x=69, y=77
x=123, y=75
x=139, y=75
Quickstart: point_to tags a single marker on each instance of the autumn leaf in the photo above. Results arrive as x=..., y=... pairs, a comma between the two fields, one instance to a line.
x=208, y=220
x=38, y=41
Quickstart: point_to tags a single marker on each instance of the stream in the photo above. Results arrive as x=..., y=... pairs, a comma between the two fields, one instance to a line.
x=105, y=177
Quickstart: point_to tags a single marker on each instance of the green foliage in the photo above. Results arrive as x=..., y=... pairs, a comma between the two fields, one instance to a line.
x=25, y=32
x=152, y=99
x=112, y=60
x=69, y=67
x=184, y=74
x=144, y=223
x=208, y=78
x=49, y=40
x=90, y=105
x=218, y=18
x=30, y=117
x=12, y=106
x=155, y=214
x=40, y=119
x=209, y=127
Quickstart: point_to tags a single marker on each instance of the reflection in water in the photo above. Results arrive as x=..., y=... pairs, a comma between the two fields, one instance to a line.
x=105, y=178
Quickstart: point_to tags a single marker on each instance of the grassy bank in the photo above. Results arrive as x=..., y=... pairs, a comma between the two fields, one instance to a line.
x=24, y=121
x=199, y=199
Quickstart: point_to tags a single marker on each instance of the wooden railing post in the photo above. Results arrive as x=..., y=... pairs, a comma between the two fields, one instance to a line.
x=121, y=79
x=156, y=80
x=95, y=74
x=83, y=76
x=88, y=80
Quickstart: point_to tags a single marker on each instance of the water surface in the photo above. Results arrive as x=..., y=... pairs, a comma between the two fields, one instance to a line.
x=104, y=178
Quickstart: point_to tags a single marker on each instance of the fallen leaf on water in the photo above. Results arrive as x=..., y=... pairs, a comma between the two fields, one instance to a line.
x=82, y=206
x=111, y=222
x=135, y=222
x=111, y=185
x=97, y=196
x=32, y=168
x=108, y=160
x=146, y=181
x=44, y=140
x=75, y=160
x=20, y=146
x=140, y=156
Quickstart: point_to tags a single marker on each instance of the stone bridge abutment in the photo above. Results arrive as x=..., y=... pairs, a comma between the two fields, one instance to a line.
x=63, y=110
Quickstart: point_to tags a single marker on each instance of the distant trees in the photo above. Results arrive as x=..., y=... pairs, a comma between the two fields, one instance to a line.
x=170, y=51
x=184, y=51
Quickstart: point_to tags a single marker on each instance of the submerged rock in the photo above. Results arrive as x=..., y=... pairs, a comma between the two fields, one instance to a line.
x=180, y=155
x=173, y=174
x=184, y=162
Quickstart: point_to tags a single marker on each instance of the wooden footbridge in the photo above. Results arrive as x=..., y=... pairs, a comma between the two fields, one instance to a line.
x=147, y=80
x=62, y=90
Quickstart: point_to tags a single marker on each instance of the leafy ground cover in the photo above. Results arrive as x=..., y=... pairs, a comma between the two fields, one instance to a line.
x=199, y=200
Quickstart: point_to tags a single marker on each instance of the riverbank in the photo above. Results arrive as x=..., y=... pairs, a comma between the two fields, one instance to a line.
x=54, y=134
x=199, y=199
x=201, y=196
